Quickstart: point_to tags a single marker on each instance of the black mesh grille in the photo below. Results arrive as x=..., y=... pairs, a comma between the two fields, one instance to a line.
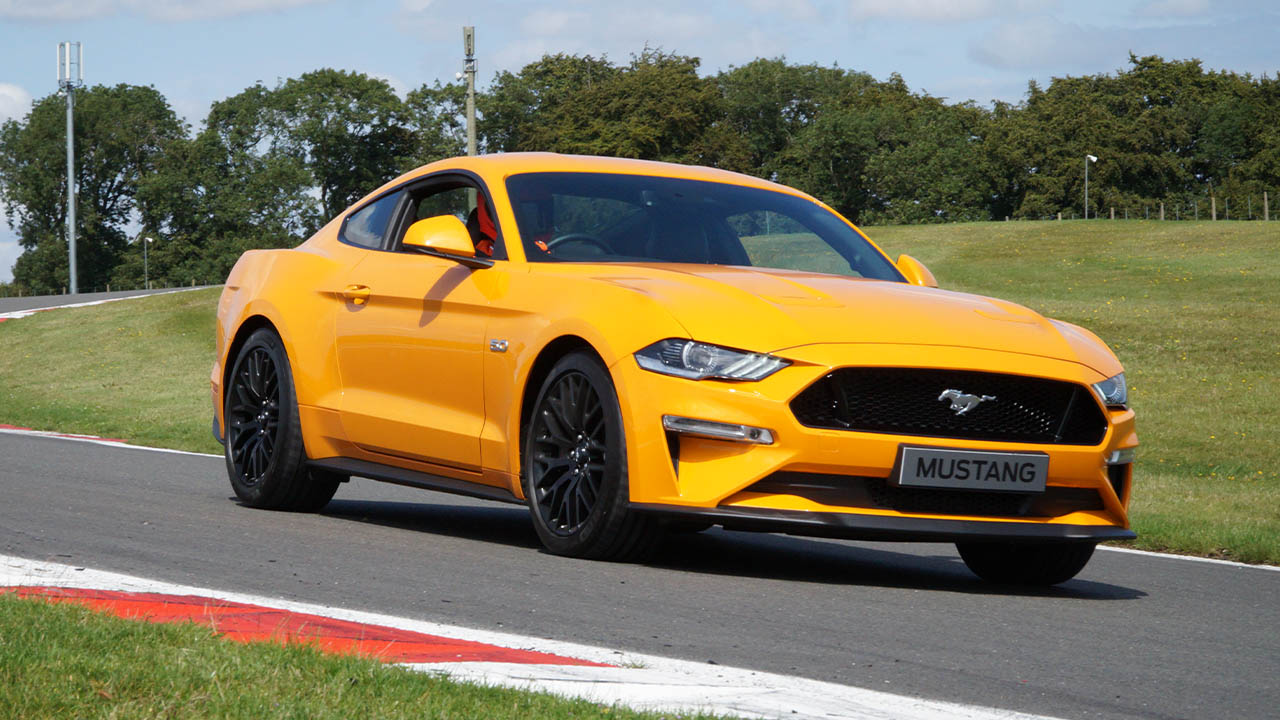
x=869, y=492
x=905, y=401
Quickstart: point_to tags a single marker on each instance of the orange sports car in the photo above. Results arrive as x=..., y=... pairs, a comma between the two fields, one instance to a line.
x=631, y=347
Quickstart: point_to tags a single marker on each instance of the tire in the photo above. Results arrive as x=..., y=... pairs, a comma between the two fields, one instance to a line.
x=574, y=467
x=266, y=462
x=1040, y=564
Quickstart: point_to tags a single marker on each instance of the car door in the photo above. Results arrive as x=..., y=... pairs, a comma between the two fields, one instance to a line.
x=409, y=344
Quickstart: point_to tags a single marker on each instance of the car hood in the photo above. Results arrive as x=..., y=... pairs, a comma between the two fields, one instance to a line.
x=773, y=310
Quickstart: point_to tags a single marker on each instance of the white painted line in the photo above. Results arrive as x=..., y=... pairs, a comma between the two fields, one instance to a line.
x=637, y=680
x=32, y=311
x=1192, y=558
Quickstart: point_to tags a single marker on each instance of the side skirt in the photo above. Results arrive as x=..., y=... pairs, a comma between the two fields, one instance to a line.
x=413, y=478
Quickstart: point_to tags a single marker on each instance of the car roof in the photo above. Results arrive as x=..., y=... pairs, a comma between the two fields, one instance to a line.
x=508, y=164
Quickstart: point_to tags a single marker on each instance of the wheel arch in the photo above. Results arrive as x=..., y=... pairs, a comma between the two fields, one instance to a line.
x=547, y=357
x=251, y=324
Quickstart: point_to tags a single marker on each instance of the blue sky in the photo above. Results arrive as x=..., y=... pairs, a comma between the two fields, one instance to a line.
x=199, y=51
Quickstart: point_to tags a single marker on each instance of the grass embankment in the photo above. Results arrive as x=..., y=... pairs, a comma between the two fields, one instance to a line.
x=134, y=369
x=1192, y=310
x=65, y=661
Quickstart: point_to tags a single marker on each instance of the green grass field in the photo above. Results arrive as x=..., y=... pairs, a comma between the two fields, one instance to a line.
x=1192, y=310
x=65, y=661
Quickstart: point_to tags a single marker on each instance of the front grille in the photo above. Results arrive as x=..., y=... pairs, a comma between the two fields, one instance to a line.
x=877, y=493
x=904, y=401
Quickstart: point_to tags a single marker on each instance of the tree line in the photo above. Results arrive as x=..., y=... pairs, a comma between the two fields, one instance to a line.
x=269, y=165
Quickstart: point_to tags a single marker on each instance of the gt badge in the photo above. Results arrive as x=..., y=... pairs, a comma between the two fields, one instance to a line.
x=962, y=403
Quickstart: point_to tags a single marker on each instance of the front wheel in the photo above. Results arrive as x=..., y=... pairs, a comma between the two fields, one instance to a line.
x=574, y=467
x=1012, y=563
x=264, y=451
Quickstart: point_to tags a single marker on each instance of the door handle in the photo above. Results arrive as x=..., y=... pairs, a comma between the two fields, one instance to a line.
x=356, y=294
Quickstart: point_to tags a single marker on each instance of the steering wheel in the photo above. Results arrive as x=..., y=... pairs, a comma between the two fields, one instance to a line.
x=579, y=237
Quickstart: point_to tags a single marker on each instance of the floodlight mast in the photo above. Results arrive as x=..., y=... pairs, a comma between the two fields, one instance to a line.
x=70, y=77
x=1087, y=159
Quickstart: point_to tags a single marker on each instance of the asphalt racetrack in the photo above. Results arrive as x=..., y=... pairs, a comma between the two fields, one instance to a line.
x=36, y=302
x=1134, y=636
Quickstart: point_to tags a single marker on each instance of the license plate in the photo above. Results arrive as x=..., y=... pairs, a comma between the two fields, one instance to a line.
x=930, y=467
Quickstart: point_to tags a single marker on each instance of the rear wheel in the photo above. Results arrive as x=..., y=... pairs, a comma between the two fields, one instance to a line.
x=1012, y=563
x=264, y=452
x=575, y=467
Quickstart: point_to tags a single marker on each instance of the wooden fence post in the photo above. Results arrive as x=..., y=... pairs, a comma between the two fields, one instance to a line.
x=1266, y=211
x=1213, y=208
x=1162, y=211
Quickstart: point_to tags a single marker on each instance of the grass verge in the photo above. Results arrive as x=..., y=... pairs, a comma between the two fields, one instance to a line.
x=64, y=661
x=135, y=369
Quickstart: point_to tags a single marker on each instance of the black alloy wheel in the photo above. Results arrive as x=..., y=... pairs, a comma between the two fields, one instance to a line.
x=264, y=450
x=569, y=453
x=575, y=467
x=253, y=416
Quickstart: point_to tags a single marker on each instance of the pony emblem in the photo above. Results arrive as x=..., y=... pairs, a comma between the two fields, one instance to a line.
x=962, y=403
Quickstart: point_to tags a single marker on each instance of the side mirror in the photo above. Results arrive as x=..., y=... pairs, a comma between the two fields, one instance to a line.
x=916, y=272
x=443, y=236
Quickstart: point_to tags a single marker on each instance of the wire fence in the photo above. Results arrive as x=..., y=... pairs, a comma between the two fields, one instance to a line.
x=1246, y=207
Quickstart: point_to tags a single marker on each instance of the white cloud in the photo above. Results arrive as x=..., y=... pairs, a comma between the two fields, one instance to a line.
x=552, y=22
x=795, y=9
x=169, y=10
x=1176, y=8
x=943, y=10
x=15, y=102
x=1037, y=43
x=398, y=86
x=9, y=248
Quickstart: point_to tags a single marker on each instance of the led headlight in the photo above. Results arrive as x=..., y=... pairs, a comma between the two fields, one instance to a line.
x=698, y=361
x=1113, y=392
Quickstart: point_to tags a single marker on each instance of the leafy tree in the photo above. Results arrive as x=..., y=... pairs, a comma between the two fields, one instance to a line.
x=221, y=193
x=437, y=117
x=769, y=102
x=534, y=110
x=350, y=129
x=120, y=132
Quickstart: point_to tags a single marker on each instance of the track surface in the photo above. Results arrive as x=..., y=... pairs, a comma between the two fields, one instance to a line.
x=33, y=302
x=1133, y=637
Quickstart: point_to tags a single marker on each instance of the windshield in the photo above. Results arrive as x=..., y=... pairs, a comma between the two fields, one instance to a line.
x=599, y=217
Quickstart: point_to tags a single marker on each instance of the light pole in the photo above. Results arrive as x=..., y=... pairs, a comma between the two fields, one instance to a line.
x=70, y=77
x=1087, y=159
x=146, y=268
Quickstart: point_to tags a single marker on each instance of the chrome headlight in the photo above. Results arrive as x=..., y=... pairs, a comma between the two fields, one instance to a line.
x=699, y=361
x=1113, y=392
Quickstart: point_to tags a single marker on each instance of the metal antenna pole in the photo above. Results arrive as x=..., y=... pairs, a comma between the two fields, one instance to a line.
x=69, y=79
x=469, y=48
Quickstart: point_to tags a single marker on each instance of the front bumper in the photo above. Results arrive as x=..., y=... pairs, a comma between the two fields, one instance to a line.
x=854, y=526
x=712, y=480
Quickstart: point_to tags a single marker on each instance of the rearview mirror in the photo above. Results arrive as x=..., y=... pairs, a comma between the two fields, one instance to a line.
x=443, y=236
x=915, y=272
